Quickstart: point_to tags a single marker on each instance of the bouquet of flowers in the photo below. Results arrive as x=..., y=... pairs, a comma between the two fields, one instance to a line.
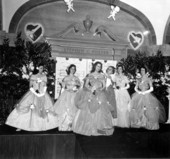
x=166, y=79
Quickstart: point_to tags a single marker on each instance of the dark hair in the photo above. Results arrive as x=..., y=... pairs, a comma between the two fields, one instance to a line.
x=41, y=64
x=69, y=67
x=94, y=66
x=113, y=69
x=146, y=70
x=120, y=65
x=35, y=71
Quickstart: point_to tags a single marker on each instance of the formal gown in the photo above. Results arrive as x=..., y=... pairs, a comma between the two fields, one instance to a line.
x=122, y=101
x=65, y=107
x=93, y=117
x=33, y=113
x=146, y=110
x=110, y=94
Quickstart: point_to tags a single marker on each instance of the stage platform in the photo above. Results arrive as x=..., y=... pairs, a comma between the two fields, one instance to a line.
x=53, y=144
x=38, y=145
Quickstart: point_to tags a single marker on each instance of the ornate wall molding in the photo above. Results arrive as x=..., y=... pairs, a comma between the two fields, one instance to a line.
x=132, y=11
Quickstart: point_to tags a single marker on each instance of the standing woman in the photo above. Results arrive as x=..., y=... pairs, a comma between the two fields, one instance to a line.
x=34, y=112
x=65, y=107
x=146, y=110
x=122, y=98
x=93, y=117
x=110, y=90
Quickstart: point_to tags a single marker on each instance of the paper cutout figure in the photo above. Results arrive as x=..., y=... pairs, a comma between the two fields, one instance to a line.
x=69, y=4
x=113, y=12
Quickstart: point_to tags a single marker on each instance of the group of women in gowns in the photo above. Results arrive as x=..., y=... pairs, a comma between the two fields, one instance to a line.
x=94, y=115
x=91, y=109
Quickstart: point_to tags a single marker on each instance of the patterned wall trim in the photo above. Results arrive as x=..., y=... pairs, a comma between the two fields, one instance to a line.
x=134, y=12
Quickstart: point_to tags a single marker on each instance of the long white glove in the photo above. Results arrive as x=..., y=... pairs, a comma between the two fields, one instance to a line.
x=44, y=91
x=33, y=91
x=139, y=92
x=127, y=86
x=38, y=94
x=148, y=91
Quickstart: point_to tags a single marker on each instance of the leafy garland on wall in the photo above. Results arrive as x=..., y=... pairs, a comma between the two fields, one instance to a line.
x=16, y=65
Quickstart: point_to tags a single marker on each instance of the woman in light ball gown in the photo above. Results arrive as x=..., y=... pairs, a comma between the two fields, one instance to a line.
x=146, y=110
x=122, y=98
x=65, y=107
x=34, y=112
x=93, y=117
x=110, y=91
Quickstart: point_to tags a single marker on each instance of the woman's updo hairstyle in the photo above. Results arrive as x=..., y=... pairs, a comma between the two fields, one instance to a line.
x=69, y=68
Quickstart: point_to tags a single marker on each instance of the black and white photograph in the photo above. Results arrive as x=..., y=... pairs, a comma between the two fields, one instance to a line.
x=84, y=79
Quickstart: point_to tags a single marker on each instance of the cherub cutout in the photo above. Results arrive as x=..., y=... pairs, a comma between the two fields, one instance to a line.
x=113, y=12
x=69, y=4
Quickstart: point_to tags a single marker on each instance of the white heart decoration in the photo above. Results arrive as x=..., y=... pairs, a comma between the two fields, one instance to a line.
x=34, y=31
x=135, y=39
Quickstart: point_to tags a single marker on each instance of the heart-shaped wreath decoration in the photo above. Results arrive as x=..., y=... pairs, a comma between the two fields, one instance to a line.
x=34, y=31
x=135, y=39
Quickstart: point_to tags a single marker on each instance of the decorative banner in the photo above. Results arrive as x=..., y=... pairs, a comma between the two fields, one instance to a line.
x=34, y=31
x=135, y=39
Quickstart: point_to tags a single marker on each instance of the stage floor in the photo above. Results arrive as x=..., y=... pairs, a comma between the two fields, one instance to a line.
x=124, y=143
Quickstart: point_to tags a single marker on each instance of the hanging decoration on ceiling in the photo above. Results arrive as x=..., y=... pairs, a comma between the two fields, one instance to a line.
x=69, y=4
x=113, y=12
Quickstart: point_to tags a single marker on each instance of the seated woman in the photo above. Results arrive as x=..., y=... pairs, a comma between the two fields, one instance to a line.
x=93, y=116
x=146, y=110
x=34, y=112
x=65, y=107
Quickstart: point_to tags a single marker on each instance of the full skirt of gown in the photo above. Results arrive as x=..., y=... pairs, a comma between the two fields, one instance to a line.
x=93, y=117
x=146, y=111
x=33, y=113
x=110, y=94
x=123, y=104
x=65, y=109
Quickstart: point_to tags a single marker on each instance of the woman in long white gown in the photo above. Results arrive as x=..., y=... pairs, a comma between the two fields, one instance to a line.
x=110, y=90
x=34, y=112
x=122, y=98
x=65, y=107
